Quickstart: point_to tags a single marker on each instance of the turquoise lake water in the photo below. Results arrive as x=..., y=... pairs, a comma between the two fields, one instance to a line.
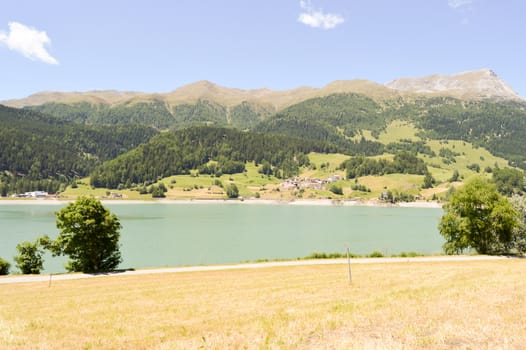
x=156, y=235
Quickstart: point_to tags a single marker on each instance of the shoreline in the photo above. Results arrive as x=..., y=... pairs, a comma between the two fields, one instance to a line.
x=46, y=278
x=298, y=202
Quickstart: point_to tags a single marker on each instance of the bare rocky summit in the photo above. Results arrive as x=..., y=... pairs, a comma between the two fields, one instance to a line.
x=483, y=83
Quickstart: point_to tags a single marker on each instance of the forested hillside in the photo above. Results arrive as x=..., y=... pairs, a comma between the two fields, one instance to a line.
x=499, y=126
x=178, y=152
x=37, y=150
x=158, y=114
x=335, y=119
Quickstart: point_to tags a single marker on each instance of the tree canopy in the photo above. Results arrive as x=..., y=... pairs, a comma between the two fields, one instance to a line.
x=403, y=163
x=29, y=260
x=519, y=233
x=4, y=267
x=478, y=217
x=509, y=181
x=89, y=235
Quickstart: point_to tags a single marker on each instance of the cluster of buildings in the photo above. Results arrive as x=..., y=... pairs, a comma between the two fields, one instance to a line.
x=317, y=184
x=33, y=194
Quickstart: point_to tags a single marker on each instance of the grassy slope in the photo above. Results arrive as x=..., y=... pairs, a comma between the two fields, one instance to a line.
x=441, y=171
x=250, y=183
x=478, y=305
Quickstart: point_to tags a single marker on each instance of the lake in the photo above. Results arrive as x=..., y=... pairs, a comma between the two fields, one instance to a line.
x=156, y=234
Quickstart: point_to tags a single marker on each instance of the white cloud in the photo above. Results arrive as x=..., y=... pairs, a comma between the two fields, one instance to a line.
x=459, y=3
x=317, y=18
x=28, y=41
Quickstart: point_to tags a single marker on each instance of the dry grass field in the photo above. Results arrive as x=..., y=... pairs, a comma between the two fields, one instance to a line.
x=435, y=305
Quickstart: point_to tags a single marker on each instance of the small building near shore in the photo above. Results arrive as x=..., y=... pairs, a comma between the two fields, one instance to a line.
x=33, y=194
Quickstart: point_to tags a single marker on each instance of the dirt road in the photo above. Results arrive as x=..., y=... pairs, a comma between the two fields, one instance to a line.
x=71, y=276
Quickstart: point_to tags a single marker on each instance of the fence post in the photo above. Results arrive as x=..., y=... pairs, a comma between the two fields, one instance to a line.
x=349, y=264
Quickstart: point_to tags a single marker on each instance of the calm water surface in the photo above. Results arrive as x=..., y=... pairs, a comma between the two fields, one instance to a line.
x=155, y=235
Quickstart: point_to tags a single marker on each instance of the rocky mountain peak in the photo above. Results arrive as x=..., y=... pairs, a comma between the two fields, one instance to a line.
x=483, y=83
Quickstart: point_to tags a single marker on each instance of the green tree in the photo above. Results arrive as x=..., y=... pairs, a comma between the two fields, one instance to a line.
x=455, y=176
x=265, y=168
x=475, y=167
x=336, y=189
x=89, y=235
x=509, y=181
x=428, y=181
x=519, y=234
x=232, y=191
x=4, y=267
x=29, y=259
x=478, y=217
x=158, y=192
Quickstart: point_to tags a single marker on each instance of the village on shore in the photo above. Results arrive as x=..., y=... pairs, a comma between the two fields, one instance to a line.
x=292, y=184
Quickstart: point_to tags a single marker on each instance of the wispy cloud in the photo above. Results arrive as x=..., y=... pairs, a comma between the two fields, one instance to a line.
x=28, y=41
x=316, y=18
x=459, y=3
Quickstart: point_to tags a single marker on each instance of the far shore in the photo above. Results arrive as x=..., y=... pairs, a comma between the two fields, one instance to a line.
x=251, y=201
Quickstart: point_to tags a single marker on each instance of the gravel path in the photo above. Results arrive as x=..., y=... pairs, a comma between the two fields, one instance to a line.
x=72, y=276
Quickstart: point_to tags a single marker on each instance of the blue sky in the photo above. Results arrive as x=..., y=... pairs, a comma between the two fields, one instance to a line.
x=160, y=45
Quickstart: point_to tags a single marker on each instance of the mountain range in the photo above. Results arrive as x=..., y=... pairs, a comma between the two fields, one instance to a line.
x=477, y=84
x=476, y=107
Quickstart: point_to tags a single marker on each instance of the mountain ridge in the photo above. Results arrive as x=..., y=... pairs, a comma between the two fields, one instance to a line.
x=476, y=84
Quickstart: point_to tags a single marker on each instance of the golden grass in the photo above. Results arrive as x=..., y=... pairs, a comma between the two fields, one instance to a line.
x=478, y=305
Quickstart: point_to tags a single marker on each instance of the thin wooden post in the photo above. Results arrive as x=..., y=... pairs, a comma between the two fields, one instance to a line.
x=349, y=264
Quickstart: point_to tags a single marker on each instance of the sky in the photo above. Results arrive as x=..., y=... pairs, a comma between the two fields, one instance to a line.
x=160, y=45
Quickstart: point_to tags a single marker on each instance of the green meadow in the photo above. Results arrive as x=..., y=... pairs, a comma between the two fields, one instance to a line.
x=463, y=157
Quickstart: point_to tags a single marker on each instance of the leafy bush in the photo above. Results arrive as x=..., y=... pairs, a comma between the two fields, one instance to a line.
x=376, y=254
x=455, y=176
x=475, y=167
x=395, y=197
x=29, y=259
x=4, y=267
x=429, y=181
x=317, y=255
x=232, y=191
x=157, y=192
x=360, y=188
x=218, y=183
x=409, y=254
x=336, y=189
